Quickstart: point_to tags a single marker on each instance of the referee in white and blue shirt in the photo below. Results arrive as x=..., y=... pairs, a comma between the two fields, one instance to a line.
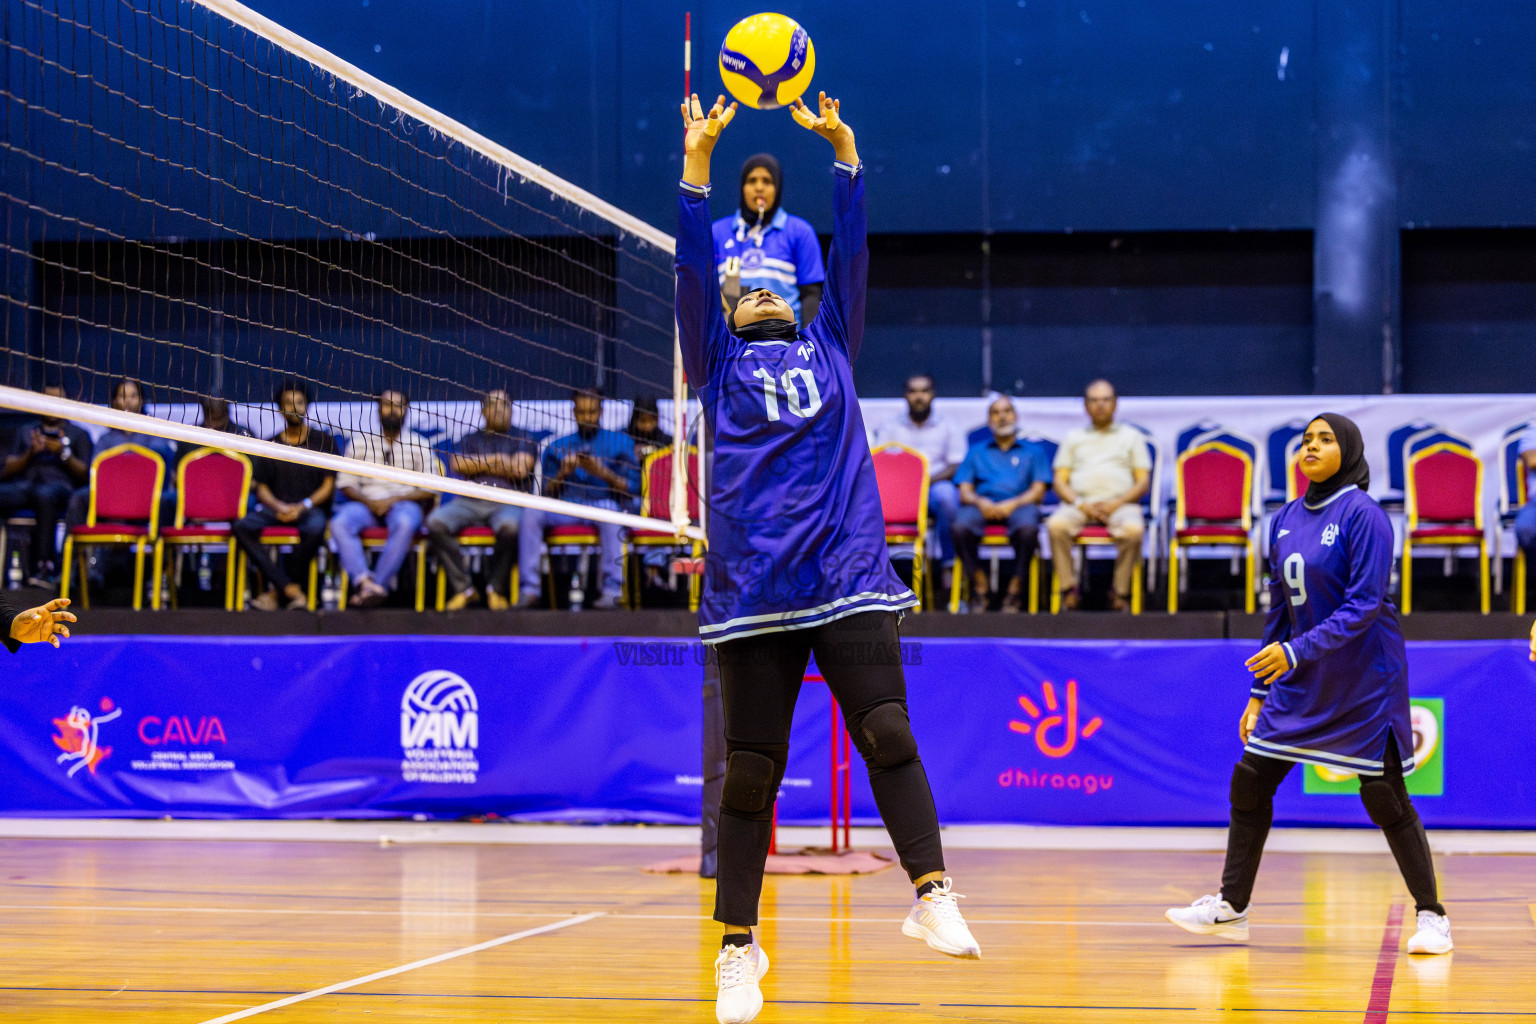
x=761, y=245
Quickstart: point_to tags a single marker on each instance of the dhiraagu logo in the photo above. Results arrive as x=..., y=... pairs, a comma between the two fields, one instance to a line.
x=1428, y=779
x=1056, y=733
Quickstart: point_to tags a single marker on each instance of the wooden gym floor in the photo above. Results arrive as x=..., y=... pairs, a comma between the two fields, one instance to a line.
x=188, y=932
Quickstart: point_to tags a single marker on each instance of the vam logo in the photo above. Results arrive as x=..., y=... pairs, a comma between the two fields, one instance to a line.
x=1061, y=720
x=439, y=729
x=79, y=736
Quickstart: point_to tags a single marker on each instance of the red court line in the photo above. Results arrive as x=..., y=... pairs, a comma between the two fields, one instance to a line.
x=1386, y=963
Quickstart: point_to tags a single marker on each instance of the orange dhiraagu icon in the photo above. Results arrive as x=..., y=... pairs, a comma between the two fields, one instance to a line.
x=1066, y=721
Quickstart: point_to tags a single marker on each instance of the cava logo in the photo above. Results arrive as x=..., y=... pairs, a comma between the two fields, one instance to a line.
x=79, y=736
x=439, y=729
x=1330, y=534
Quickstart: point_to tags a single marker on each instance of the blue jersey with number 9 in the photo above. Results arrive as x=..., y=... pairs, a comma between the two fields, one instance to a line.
x=796, y=531
x=1346, y=694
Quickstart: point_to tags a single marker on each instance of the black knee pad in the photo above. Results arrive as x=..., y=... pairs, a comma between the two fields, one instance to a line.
x=1247, y=791
x=885, y=737
x=1382, y=802
x=749, y=782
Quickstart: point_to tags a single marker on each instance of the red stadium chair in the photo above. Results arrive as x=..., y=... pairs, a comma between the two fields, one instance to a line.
x=276, y=537
x=1296, y=482
x=901, y=474
x=1213, y=508
x=374, y=538
x=126, y=481
x=212, y=487
x=1445, y=509
x=479, y=539
x=995, y=542
x=656, y=500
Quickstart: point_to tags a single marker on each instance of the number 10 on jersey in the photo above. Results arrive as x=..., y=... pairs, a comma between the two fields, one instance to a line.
x=805, y=408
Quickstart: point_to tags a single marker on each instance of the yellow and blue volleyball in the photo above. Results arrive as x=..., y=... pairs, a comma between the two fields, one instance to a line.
x=767, y=61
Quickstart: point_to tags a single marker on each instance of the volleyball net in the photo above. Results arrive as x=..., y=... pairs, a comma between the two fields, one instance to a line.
x=202, y=202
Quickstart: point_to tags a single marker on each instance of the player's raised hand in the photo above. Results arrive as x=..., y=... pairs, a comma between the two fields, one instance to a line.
x=43, y=623
x=703, y=129
x=827, y=121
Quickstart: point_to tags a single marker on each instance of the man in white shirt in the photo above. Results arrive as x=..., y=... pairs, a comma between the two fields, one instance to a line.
x=370, y=502
x=944, y=446
x=1100, y=474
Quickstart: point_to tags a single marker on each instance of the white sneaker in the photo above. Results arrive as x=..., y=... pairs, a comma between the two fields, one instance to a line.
x=935, y=918
x=1433, y=936
x=1211, y=915
x=738, y=969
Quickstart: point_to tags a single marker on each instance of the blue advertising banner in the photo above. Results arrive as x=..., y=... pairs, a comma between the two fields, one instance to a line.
x=603, y=729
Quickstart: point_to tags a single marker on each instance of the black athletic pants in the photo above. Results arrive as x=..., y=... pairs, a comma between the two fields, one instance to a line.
x=760, y=677
x=1253, y=810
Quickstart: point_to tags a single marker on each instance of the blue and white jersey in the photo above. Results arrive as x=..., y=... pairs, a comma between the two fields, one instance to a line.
x=1346, y=695
x=796, y=532
x=782, y=257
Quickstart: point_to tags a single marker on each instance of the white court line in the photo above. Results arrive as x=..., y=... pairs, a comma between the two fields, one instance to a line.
x=428, y=962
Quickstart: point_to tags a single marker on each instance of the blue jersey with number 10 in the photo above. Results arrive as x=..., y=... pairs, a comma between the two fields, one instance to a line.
x=796, y=531
x=1346, y=695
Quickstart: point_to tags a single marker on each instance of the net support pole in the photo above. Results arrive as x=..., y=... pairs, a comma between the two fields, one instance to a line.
x=679, y=509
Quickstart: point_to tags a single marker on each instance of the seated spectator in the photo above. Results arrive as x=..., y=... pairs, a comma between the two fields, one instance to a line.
x=645, y=430
x=1101, y=473
x=115, y=563
x=496, y=457
x=1001, y=481
x=49, y=460
x=1525, y=519
x=942, y=443
x=215, y=417
x=593, y=467
x=372, y=502
x=289, y=494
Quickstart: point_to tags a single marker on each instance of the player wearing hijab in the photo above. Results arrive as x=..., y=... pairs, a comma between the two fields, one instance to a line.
x=1330, y=684
x=797, y=558
x=764, y=246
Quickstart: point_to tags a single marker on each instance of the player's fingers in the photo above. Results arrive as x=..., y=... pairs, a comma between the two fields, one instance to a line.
x=728, y=115
x=64, y=617
x=57, y=603
x=687, y=121
x=61, y=630
x=698, y=111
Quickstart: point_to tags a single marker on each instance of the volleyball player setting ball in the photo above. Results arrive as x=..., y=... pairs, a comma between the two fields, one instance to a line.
x=797, y=558
x=1330, y=684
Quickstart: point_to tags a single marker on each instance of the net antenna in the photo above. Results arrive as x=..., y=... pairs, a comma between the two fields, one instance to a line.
x=194, y=197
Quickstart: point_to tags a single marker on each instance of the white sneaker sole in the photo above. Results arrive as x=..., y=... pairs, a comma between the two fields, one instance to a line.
x=1235, y=932
x=762, y=972
x=1429, y=948
x=913, y=930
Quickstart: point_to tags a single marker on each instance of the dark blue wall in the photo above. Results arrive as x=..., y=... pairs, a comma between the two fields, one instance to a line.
x=1119, y=115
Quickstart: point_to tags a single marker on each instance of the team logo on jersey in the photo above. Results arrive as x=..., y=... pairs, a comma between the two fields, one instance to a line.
x=1284, y=533
x=439, y=729
x=806, y=351
x=79, y=736
x=1057, y=733
x=1330, y=534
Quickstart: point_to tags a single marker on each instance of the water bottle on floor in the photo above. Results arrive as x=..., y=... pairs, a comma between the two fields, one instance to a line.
x=204, y=572
x=330, y=596
x=13, y=571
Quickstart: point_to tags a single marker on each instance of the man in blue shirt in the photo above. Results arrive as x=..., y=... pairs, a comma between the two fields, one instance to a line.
x=762, y=246
x=50, y=459
x=1001, y=481
x=593, y=467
